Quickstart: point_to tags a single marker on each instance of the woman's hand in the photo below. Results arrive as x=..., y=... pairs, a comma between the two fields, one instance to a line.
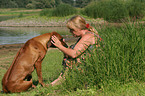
x=55, y=41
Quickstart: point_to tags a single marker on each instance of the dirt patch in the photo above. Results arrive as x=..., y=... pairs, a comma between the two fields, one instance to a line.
x=7, y=53
x=10, y=46
x=5, y=50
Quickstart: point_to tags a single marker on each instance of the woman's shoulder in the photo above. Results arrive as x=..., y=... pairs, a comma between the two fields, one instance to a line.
x=87, y=36
x=90, y=35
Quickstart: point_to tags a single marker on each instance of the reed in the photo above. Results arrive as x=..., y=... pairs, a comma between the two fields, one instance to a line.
x=64, y=10
x=60, y=11
x=120, y=58
x=114, y=10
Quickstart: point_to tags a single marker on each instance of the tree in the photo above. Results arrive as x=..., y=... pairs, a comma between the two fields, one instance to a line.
x=82, y=3
x=70, y=2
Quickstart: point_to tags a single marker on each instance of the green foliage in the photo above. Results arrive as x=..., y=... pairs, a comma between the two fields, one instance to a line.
x=135, y=9
x=82, y=3
x=77, y=3
x=59, y=11
x=120, y=59
x=70, y=2
x=30, y=6
x=46, y=12
x=111, y=10
x=114, y=10
x=64, y=10
x=29, y=3
x=20, y=15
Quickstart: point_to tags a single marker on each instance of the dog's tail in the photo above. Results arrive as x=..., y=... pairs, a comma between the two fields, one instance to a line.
x=4, y=80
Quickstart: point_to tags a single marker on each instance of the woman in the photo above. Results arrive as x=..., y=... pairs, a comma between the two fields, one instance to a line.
x=88, y=38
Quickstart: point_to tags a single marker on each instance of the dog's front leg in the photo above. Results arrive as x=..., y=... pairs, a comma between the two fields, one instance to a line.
x=39, y=72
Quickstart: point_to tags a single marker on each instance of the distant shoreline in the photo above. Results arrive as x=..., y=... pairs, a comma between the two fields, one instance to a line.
x=11, y=46
x=44, y=21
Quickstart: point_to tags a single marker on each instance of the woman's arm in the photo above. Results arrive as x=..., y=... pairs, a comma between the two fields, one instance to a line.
x=80, y=47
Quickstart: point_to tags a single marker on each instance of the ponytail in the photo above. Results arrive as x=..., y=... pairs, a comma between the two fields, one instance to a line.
x=92, y=29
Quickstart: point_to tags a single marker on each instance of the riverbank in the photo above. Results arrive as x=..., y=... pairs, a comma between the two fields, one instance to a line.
x=44, y=21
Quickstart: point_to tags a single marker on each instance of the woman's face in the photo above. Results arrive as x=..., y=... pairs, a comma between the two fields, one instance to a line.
x=75, y=33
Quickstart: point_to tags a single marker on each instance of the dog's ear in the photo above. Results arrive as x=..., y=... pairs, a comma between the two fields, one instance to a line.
x=49, y=43
x=57, y=35
x=60, y=38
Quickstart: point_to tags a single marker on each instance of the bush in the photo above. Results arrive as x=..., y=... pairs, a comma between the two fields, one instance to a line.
x=12, y=4
x=39, y=5
x=46, y=12
x=112, y=10
x=64, y=10
x=115, y=10
x=135, y=9
x=30, y=6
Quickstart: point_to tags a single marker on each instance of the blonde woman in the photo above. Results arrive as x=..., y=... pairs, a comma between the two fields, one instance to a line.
x=88, y=38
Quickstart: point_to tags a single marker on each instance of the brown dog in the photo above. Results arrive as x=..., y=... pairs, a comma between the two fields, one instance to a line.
x=18, y=77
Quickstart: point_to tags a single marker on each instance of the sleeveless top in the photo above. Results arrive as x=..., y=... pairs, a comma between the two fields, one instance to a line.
x=86, y=52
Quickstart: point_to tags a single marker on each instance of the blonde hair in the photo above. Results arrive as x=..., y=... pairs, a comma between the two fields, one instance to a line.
x=80, y=23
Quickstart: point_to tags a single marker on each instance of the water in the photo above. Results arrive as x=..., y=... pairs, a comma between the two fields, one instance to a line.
x=15, y=35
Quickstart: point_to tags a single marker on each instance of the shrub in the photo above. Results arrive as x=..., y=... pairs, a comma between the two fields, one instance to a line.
x=135, y=9
x=112, y=10
x=12, y=4
x=115, y=10
x=64, y=10
x=46, y=12
x=30, y=6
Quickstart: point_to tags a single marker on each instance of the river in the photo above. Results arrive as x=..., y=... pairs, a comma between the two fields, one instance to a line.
x=16, y=35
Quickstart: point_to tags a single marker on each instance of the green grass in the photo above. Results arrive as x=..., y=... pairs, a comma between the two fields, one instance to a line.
x=116, y=70
x=115, y=10
x=118, y=62
x=6, y=14
x=51, y=68
x=119, y=71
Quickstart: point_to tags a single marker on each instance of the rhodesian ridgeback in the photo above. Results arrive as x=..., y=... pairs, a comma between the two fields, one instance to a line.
x=18, y=77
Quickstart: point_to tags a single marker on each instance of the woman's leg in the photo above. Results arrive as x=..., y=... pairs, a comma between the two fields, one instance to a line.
x=60, y=79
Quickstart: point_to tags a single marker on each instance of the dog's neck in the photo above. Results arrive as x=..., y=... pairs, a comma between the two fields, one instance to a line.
x=44, y=39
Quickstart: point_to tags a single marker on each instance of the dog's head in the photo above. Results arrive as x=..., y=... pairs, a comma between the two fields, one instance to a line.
x=59, y=37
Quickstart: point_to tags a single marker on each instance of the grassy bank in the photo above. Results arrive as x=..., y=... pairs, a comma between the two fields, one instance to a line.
x=44, y=21
x=118, y=62
x=10, y=13
x=119, y=70
x=116, y=70
x=43, y=18
x=51, y=68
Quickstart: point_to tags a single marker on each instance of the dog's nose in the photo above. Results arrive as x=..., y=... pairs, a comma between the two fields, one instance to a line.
x=65, y=45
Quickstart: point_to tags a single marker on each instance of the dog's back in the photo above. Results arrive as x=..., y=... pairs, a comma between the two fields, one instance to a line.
x=22, y=65
x=31, y=53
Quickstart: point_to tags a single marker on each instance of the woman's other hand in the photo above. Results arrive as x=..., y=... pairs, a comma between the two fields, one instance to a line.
x=55, y=41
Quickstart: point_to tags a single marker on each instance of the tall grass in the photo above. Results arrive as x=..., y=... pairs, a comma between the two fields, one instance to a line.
x=64, y=10
x=60, y=11
x=114, y=10
x=111, y=10
x=135, y=9
x=119, y=60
